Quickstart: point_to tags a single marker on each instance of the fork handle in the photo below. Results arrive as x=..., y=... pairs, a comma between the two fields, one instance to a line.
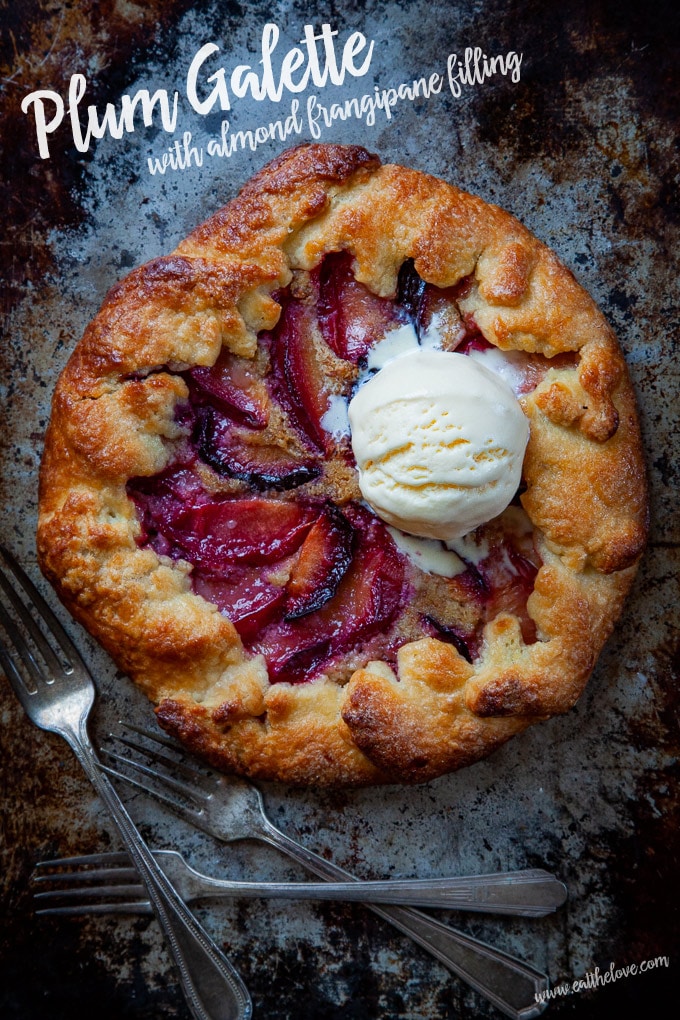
x=212, y=987
x=531, y=893
x=511, y=985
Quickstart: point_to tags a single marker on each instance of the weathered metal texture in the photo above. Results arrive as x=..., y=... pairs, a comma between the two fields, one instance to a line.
x=583, y=149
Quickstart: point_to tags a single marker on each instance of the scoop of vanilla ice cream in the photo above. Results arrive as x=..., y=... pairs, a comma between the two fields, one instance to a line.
x=439, y=442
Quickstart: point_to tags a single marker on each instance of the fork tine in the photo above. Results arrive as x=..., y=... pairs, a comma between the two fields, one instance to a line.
x=196, y=817
x=83, y=892
x=156, y=737
x=190, y=767
x=67, y=878
x=24, y=652
x=17, y=681
x=83, y=859
x=194, y=770
x=190, y=772
x=168, y=781
x=135, y=907
x=60, y=636
x=31, y=626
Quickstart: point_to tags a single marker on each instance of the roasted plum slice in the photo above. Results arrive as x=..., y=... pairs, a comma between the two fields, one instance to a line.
x=524, y=371
x=511, y=575
x=410, y=292
x=535, y=367
x=231, y=383
x=238, y=453
x=473, y=340
x=465, y=644
x=251, y=530
x=367, y=600
x=159, y=500
x=373, y=593
x=439, y=314
x=297, y=380
x=323, y=561
x=247, y=598
x=430, y=308
x=352, y=319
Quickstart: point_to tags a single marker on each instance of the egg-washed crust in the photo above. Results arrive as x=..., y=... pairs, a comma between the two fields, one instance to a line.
x=113, y=418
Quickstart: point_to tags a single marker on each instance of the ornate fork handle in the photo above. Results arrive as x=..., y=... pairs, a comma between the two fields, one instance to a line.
x=531, y=893
x=203, y=969
x=509, y=984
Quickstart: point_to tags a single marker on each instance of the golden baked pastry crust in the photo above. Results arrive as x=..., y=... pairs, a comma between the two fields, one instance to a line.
x=114, y=418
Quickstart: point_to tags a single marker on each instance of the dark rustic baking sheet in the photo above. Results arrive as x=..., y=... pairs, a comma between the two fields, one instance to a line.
x=583, y=149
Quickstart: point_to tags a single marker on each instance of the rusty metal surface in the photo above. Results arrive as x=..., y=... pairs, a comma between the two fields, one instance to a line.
x=583, y=149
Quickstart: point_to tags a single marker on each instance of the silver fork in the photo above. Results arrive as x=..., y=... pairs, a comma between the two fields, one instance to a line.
x=531, y=893
x=232, y=809
x=57, y=692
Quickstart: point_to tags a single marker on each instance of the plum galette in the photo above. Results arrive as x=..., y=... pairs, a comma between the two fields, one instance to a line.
x=350, y=484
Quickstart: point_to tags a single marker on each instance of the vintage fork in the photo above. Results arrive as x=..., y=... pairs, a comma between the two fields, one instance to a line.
x=57, y=692
x=231, y=809
x=531, y=893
